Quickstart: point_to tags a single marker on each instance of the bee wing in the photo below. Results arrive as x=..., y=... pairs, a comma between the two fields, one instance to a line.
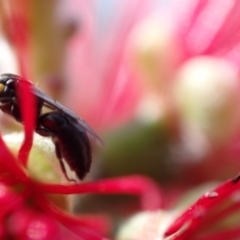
x=78, y=122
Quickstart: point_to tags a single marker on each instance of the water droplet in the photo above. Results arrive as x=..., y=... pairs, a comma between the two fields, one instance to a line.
x=211, y=194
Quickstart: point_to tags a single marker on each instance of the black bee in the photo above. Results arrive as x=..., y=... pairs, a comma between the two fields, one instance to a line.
x=67, y=130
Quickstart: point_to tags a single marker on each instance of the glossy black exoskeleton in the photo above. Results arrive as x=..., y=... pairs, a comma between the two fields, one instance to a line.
x=67, y=130
x=71, y=143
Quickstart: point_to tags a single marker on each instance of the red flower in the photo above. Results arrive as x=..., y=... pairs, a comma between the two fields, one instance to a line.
x=214, y=216
x=117, y=92
x=25, y=200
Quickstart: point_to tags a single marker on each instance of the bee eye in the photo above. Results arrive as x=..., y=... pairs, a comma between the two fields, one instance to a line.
x=2, y=86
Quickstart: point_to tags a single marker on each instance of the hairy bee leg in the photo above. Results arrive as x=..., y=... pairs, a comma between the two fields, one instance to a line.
x=59, y=156
x=46, y=133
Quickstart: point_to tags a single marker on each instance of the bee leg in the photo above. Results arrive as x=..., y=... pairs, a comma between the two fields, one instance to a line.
x=47, y=133
x=59, y=156
x=12, y=109
x=16, y=112
x=44, y=132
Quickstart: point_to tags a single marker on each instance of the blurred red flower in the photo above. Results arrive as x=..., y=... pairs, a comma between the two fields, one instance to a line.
x=26, y=200
x=99, y=56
